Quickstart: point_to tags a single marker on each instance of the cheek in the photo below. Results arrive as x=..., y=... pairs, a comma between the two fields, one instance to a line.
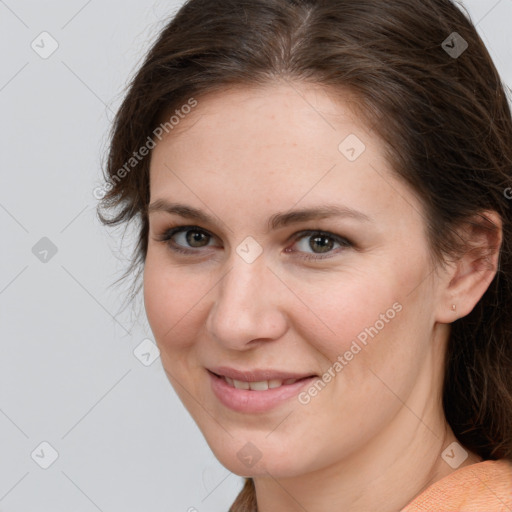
x=348, y=308
x=171, y=296
x=366, y=323
x=157, y=299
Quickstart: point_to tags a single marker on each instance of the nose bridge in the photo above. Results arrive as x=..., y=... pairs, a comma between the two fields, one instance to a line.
x=246, y=306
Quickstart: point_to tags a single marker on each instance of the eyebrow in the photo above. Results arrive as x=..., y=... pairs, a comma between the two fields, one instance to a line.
x=276, y=221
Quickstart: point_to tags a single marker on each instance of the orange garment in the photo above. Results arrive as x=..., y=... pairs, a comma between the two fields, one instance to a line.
x=481, y=487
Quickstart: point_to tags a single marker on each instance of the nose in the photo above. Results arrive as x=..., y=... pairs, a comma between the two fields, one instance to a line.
x=248, y=307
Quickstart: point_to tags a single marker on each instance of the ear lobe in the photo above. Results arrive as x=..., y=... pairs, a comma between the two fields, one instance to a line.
x=470, y=276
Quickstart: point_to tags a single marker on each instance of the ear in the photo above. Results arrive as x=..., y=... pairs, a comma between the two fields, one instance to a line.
x=464, y=281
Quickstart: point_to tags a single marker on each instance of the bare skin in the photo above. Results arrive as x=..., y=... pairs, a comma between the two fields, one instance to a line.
x=372, y=438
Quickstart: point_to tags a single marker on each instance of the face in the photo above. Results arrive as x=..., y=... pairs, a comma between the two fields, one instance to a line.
x=242, y=274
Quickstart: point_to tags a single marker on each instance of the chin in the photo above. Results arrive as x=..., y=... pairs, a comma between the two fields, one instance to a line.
x=247, y=456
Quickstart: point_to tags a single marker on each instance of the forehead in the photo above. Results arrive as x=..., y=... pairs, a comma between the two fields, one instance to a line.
x=277, y=145
x=269, y=115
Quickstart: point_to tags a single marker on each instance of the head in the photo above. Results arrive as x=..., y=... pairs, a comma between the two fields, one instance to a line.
x=280, y=106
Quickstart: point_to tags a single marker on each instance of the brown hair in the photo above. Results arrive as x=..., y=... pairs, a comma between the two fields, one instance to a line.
x=442, y=113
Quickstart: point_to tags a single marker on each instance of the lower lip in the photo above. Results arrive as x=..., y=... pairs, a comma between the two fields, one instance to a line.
x=250, y=401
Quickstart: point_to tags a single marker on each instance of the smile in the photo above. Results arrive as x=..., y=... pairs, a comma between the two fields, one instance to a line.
x=255, y=396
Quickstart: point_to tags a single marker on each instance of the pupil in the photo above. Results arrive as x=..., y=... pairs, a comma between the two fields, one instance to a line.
x=194, y=238
x=324, y=243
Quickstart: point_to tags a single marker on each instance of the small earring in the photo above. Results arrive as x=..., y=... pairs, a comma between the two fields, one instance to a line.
x=454, y=307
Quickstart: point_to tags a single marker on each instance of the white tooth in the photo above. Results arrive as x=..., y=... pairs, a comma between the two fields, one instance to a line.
x=274, y=383
x=240, y=384
x=229, y=381
x=289, y=381
x=259, y=386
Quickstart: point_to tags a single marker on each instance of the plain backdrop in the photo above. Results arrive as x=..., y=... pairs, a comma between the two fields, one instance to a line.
x=88, y=419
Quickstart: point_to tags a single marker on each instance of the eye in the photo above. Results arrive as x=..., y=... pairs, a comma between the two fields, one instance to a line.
x=319, y=244
x=312, y=245
x=186, y=239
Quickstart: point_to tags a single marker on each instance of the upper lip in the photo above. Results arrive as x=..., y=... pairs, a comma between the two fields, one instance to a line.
x=257, y=375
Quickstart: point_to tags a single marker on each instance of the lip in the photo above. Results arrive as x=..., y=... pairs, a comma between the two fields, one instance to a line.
x=257, y=375
x=250, y=401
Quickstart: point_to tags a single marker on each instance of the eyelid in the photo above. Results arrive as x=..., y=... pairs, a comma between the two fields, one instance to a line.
x=183, y=228
x=310, y=232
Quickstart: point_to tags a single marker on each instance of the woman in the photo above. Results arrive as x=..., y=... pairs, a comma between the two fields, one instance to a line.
x=324, y=238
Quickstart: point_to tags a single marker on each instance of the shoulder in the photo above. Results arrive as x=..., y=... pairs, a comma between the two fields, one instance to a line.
x=484, y=486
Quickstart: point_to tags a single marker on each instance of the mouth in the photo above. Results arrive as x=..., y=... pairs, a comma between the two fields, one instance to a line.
x=256, y=396
x=259, y=385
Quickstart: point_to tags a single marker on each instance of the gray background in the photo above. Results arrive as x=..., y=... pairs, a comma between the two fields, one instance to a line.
x=69, y=370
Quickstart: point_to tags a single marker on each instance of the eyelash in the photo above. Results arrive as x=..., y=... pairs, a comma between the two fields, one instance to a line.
x=166, y=238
